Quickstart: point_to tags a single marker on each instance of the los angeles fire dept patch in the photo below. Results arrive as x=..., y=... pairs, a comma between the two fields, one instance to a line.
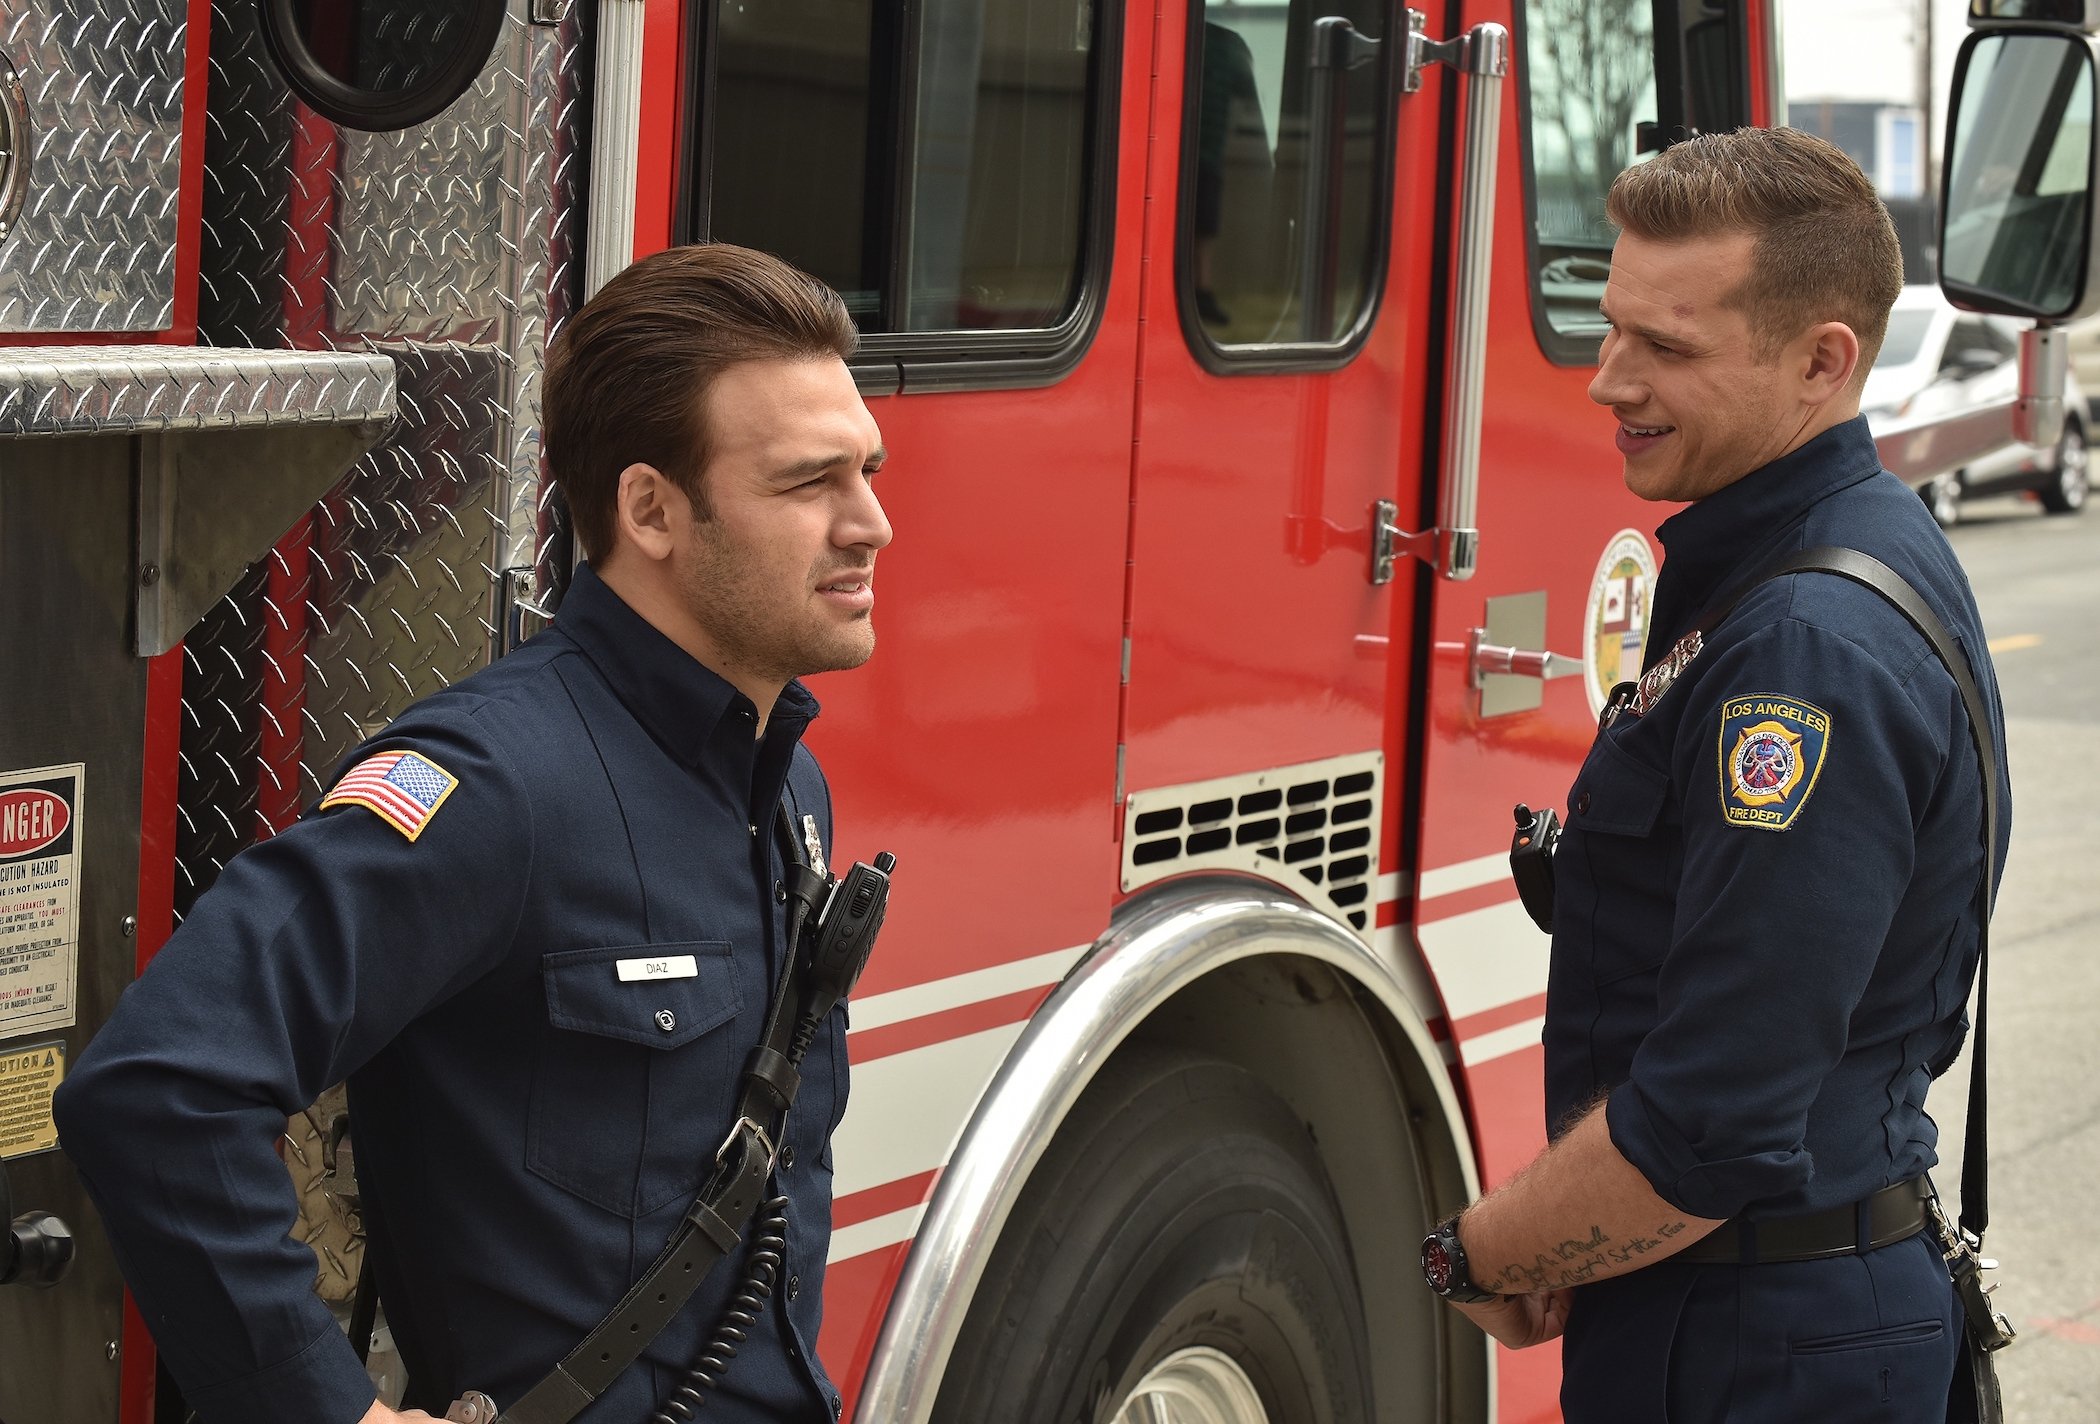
x=1771, y=752
x=403, y=788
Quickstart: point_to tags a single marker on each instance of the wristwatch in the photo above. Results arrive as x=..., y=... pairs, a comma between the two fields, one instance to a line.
x=1444, y=1266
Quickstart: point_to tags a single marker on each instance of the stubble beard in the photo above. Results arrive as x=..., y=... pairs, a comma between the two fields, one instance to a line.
x=754, y=630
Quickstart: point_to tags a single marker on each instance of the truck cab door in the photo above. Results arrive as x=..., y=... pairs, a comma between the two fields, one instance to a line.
x=1523, y=653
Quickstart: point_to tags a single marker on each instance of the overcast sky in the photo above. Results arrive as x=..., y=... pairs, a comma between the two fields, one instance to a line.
x=1871, y=49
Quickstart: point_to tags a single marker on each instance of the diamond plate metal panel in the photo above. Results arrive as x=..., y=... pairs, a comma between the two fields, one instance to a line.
x=94, y=249
x=450, y=249
x=99, y=390
x=215, y=791
x=402, y=557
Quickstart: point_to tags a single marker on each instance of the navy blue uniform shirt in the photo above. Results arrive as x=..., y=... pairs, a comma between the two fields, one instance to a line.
x=529, y=1123
x=1765, y=920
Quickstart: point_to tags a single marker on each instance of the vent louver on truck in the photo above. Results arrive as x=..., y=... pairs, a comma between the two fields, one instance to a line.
x=1313, y=827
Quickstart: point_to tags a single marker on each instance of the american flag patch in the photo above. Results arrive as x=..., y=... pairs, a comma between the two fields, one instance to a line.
x=404, y=788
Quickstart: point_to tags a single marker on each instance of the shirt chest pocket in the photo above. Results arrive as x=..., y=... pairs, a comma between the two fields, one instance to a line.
x=1617, y=794
x=636, y=1074
x=1628, y=861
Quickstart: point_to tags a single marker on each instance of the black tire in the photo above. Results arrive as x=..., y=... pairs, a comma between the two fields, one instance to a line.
x=1181, y=1212
x=1942, y=495
x=2071, y=478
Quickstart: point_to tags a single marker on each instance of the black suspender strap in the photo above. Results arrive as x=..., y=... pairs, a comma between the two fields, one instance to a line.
x=1866, y=570
x=714, y=1224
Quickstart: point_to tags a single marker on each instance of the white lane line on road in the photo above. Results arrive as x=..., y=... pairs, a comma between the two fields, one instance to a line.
x=2013, y=642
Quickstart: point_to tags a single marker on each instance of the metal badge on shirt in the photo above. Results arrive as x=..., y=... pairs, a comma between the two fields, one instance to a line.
x=813, y=843
x=1636, y=699
x=1771, y=751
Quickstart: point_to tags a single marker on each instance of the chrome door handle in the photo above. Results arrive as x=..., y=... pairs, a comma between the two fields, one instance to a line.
x=1453, y=547
x=1487, y=658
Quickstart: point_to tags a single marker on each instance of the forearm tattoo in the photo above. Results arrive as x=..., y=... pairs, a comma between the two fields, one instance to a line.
x=1577, y=1260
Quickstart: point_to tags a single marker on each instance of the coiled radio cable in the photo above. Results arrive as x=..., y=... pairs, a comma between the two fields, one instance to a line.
x=753, y=1288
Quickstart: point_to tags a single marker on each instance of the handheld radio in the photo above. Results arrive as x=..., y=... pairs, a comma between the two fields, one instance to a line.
x=847, y=924
x=1531, y=862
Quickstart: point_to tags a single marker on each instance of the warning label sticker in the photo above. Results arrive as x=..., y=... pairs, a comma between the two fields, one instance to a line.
x=28, y=1078
x=39, y=897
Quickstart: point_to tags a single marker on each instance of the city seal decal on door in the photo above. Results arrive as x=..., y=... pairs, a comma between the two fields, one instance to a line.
x=1616, y=625
x=1771, y=751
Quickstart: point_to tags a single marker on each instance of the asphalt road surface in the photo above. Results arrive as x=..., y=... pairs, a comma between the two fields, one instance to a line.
x=2037, y=579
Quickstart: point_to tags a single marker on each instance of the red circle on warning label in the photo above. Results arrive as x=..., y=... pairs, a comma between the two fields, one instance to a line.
x=31, y=820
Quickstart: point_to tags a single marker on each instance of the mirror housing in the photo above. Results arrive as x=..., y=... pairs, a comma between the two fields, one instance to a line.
x=2079, y=14
x=2017, y=234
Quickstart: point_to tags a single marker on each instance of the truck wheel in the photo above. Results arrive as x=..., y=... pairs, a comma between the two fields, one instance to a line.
x=2066, y=493
x=1178, y=1258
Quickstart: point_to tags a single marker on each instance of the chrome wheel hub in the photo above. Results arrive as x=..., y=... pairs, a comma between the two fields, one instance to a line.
x=2073, y=469
x=1198, y=1385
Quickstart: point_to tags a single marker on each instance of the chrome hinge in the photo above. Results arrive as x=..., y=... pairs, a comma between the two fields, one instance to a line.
x=521, y=611
x=1482, y=50
x=1450, y=550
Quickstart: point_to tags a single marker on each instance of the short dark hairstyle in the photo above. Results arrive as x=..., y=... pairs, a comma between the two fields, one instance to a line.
x=628, y=375
x=1825, y=248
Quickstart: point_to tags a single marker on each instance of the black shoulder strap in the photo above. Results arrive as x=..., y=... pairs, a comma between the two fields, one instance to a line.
x=713, y=1226
x=1874, y=574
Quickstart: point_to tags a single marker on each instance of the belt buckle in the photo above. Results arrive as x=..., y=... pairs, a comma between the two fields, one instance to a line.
x=736, y=1130
x=473, y=1407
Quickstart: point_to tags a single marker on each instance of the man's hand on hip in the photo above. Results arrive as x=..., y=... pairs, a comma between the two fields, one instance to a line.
x=380, y=1414
x=1521, y=1321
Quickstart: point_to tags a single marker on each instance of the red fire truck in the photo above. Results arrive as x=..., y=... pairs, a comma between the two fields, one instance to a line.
x=1257, y=549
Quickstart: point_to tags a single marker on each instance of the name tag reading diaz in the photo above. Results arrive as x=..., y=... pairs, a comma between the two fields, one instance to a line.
x=673, y=966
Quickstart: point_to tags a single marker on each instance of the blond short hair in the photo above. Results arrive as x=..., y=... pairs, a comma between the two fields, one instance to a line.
x=1825, y=248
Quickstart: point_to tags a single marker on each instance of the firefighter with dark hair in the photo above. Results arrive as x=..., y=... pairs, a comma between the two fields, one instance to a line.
x=1767, y=911
x=537, y=922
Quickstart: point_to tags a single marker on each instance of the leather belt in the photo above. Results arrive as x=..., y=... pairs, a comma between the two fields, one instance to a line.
x=1890, y=1215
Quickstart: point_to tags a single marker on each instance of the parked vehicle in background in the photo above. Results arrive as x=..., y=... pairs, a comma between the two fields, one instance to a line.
x=1940, y=363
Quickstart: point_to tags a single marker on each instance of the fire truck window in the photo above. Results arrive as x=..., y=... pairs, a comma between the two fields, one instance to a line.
x=932, y=164
x=999, y=159
x=1278, y=248
x=1589, y=69
x=795, y=92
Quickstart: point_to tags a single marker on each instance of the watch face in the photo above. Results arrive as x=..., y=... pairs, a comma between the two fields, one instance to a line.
x=1436, y=1264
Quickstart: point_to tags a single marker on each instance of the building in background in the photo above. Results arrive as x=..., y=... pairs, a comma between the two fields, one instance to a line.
x=1887, y=141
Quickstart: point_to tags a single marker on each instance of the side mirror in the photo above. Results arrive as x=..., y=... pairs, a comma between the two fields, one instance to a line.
x=381, y=64
x=2016, y=218
x=2016, y=222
